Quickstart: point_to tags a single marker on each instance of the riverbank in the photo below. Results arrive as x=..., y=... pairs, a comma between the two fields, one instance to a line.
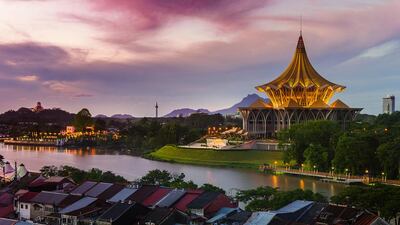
x=236, y=159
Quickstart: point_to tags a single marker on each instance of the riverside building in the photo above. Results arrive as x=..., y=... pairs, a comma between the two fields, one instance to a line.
x=299, y=94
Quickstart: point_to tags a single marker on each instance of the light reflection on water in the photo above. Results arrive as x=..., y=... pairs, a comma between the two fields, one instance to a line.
x=133, y=167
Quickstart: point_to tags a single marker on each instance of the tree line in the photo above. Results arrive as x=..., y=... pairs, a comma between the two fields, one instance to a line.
x=366, y=148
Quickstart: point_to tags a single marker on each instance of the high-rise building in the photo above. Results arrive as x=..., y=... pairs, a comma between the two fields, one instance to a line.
x=156, y=106
x=299, y=94
x=388, y=104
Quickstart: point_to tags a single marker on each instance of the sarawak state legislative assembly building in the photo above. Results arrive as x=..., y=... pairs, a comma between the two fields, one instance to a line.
x=298, y=95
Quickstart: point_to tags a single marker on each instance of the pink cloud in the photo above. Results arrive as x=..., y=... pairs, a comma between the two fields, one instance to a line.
x=152, y=14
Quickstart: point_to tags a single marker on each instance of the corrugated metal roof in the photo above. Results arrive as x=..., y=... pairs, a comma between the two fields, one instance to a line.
x=170, y=198
x=98, y=189
x=115, y=211
x=142, y=193
x=156, y=196
x=86, y=201
x=186, y=199
x=83, y=188
x=260, y=218
x=49, y=198
x=222, y=213
x=203, y=200
x=123, y=195
x=294, y=206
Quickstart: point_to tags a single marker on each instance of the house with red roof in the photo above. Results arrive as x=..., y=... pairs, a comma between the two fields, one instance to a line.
x=156, y=196
x=6, y=204
x=22, y=203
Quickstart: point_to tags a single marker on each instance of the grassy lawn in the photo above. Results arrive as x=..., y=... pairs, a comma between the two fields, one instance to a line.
x=242, y=158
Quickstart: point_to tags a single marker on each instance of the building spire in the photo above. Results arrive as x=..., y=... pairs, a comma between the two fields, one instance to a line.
x=301, y=25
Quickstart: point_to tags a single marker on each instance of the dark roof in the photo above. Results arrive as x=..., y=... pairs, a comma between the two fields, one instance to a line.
x=98, y=189
x=124, y=212
x=111, y=191
x=142, y=193
x=49, y=198
x=78, y=205
x=69, y=200
x=203, y=200
x=83, y=188
x=158, y=215
x=116, y=211
x=312, y=213
x=241, y=216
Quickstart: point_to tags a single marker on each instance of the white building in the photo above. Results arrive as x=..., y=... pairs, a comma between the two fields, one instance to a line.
x=389, y=104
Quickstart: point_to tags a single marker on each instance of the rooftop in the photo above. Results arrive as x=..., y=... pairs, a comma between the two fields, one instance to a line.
x=203, y=200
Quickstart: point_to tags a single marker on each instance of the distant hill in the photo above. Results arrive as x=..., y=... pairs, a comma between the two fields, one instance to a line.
x=56, y=116
x=185, y=112
x=246, y=101
x=101, y=116
x=122, y=116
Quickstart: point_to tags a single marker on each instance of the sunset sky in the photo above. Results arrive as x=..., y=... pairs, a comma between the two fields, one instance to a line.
x=121, y=56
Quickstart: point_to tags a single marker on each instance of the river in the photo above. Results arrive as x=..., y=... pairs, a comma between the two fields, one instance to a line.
x=133, y=167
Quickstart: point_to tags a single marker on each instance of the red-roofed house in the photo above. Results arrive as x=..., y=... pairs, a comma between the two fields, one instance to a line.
x=23, y=208
x=156, y=196
x=50, y=184
x=6, y=204
x=186, y=199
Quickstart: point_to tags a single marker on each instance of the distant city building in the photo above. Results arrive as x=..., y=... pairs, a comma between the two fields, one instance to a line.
x=389, y=104
x=38, y=107
x=299, y=94
x=156, y=110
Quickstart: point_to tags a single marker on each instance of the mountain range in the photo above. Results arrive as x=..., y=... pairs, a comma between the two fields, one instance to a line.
x=245, y=102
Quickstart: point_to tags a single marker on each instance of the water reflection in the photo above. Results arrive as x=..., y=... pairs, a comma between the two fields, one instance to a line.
x=133, y=167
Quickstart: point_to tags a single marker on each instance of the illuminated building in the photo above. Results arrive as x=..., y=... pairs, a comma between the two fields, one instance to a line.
x=299, y=94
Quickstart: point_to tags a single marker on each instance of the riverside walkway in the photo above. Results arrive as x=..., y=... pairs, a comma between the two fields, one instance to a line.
x=331, y=177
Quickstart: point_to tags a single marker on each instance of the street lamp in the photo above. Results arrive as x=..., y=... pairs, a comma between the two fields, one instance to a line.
x=276, y=162
x=332, y=169
x=302, y=167
x=315, y=168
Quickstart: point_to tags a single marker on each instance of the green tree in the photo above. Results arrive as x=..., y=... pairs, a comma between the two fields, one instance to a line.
x=316, y=155
x=389, y=156
x=210, y=187
x=49, y=171
x=357, y=153
x=156, y=177
x=82, y=120
x=383, y=199
x=300, y=136
x=268, y=198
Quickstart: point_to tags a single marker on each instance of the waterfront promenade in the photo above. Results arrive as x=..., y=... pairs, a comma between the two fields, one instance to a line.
x=331, y=176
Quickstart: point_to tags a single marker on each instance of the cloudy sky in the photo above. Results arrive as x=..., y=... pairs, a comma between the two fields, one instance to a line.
x=120, y=56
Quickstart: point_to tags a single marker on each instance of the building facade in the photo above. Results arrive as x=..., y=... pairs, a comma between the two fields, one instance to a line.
x=298, y=95
x=389, y=104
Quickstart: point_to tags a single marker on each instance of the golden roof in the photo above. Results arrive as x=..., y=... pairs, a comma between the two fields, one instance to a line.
x=301, y=73
x=319, y=104
x=339, y=104
x=291, y=104
x=259, y=103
